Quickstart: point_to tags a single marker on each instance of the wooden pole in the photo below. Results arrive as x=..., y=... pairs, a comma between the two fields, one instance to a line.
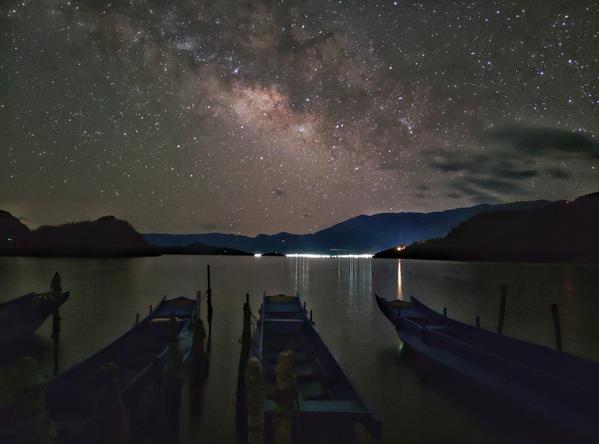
x=255, y=402
x=502, y=308
x=199, y=360
x=136, y=319
x=311, y=320
x=557, y=326
x=241, y=406
x=444, y=311
x=478, y=322
x=56, y=287
x=209, y=301
x=198, y=304
x=151, y=309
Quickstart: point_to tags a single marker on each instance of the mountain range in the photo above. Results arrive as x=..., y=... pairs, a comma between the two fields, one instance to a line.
x=361, y=234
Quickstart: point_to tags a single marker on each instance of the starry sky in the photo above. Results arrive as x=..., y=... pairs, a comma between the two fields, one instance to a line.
x=266, y=116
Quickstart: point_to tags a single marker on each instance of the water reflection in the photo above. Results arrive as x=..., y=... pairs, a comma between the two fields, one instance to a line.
x=302, y=275
x=399, y=288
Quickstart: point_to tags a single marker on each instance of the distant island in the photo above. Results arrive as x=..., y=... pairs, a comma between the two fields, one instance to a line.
x=200, y=248
x=358, y=235
x=561, y=232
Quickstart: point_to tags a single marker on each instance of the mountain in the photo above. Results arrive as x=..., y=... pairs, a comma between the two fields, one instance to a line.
x=361, y=234
x=560, y=232
x=107, y=236
x=13, y=233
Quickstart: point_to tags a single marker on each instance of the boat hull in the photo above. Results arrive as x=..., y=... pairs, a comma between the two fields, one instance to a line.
x=500, y=367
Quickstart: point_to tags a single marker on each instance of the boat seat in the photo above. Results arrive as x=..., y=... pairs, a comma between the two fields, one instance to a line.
x=313, y=391
x=299, y=356
x=303, y=372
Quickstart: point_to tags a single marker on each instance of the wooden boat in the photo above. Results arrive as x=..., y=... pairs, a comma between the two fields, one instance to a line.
x=328, y=406
x=141, y=357
x=561, y=388
x=21, y=317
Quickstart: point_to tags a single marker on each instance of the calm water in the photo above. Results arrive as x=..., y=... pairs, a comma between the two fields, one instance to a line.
x=106, y=294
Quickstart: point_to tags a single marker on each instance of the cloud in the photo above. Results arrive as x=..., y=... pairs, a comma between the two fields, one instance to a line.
x=558, y=173
x=508, y=160
x=543, y=141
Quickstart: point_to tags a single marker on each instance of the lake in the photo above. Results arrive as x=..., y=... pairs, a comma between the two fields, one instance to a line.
x=107, y=293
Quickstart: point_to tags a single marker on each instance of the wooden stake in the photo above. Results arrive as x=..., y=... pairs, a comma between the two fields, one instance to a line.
x=444, y=311
x=557, y=326
x=56, y=299
x=255, y=402
x=209, y=301
x=136, y=319
x=478, y=322
x=198, y=304
x=502, y=308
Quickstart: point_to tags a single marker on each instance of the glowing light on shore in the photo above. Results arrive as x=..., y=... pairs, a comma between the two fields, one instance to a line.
x=313, y=255
x=401, y=247
x=257, y=254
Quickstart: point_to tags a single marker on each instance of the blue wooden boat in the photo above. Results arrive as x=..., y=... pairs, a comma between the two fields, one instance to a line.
x=561, y=388
x=22, y=316
x=328, y=406
x=141, y=356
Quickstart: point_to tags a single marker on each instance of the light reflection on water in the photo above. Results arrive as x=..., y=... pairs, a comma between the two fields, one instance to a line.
x=106, y=294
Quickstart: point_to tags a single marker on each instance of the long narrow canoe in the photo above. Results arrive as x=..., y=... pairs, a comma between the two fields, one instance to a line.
x=562, y=388
x=328, y=406
x=21, y=317
x=140, y=355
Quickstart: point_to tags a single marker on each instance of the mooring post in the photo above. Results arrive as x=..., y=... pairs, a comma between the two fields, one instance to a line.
x=151, y=309
x=311, y=320
x=444, y=311
x=255, y=402
x=56, y=288
x=502, y=308
x=136, y=319
x=246, y=336
x=241, y=392
x=285, y=397
x=478, y=322
x=209, y=301
x=199, y=360
x=557, y=326
x=304, y=306
x=198, y=304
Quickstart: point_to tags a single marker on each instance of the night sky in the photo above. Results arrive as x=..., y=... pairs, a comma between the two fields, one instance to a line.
x=260, y=116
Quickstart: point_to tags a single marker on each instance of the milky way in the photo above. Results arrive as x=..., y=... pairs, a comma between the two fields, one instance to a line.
x=260, y=116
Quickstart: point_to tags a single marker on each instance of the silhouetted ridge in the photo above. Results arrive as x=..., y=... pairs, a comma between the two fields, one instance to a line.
x=107, y=236
x=561, y=232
